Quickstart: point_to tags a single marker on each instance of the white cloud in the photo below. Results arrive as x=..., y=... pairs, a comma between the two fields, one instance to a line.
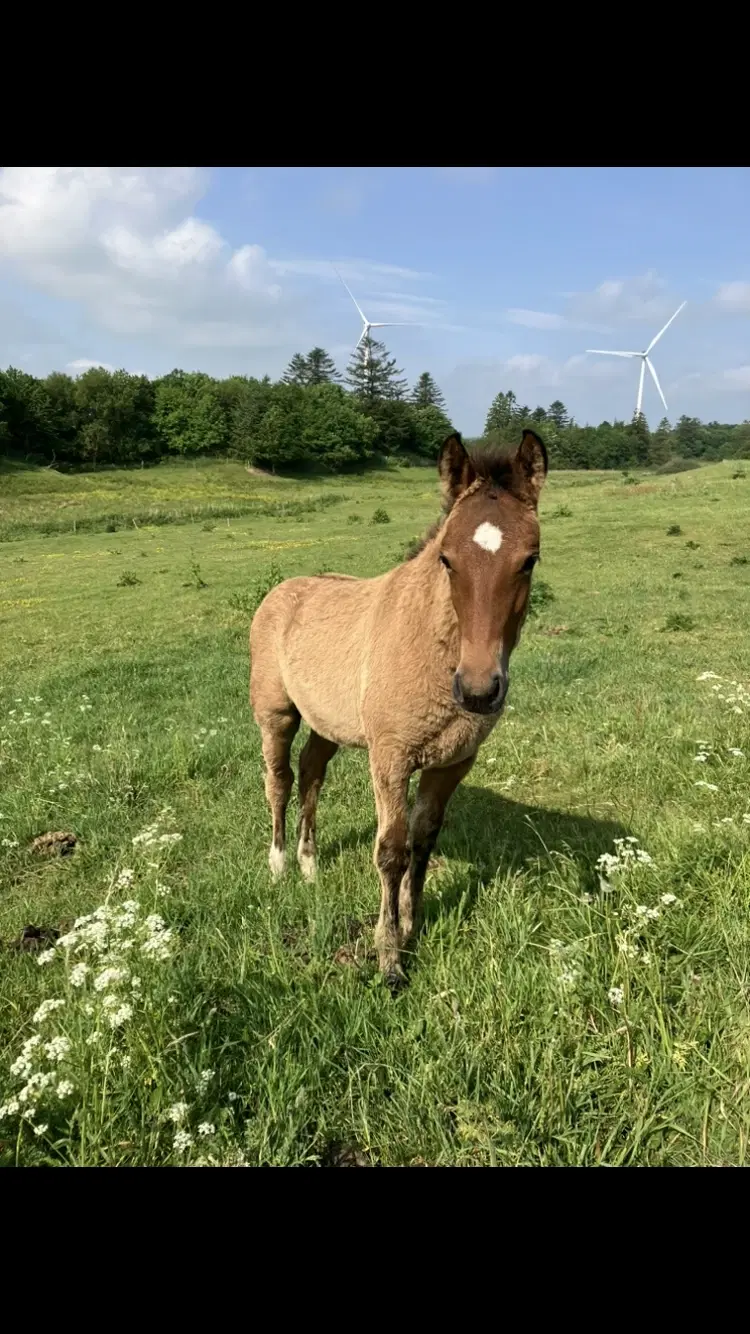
x=618, y=300
x=536, y=319
x=734, y=296
x=82, y=364
x=125, y=245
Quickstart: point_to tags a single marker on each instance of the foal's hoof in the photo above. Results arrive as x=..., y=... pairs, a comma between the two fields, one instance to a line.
x=306, y=861
x=395, y=978
x=276, y=861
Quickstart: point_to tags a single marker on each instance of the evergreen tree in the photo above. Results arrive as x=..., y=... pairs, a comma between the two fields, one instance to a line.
x=426, y=394
x=558, y=413
x=640, y=438
x=501, y=413
x=372, y=374
x=296, y=372
x=321, y=368
x=539, y=415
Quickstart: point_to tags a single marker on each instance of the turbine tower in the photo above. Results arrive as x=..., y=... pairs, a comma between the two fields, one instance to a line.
x=645, y=361
x=367, y=325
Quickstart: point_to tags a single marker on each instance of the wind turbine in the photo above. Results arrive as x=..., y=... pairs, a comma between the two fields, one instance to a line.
x=645, y=361
x=367, y=325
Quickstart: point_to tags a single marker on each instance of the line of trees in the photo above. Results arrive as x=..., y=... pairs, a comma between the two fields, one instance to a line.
x=310, y=418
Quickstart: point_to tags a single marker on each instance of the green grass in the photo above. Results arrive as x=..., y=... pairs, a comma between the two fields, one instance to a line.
x=505, y=1048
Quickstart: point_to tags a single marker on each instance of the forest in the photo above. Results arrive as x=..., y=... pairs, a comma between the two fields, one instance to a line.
x=311, y=419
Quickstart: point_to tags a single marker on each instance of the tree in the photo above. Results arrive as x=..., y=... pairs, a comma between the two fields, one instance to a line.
x=245, y=402
x=558, y=413
x=29, y=426
x=64, y=417
x=316, y=368
x=372, y=374
x=321, y=368
x=640, y=438
x=432, y=427
x=115, y=415
x=426, y=394
x=189, y=414
x=296, y=371
x=500, y=414
x=335, y=433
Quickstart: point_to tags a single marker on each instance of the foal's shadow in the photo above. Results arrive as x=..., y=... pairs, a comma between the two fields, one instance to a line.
x=495, y=836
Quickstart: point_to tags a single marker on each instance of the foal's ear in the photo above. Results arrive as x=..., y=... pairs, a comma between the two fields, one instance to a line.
x=455, y=469
x=530, y=466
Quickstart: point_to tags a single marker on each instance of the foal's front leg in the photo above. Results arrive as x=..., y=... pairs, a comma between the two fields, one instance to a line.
x=436, y=787
x=390, y=779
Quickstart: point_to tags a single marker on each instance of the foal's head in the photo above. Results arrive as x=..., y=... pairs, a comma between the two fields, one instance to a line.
x=488, y=546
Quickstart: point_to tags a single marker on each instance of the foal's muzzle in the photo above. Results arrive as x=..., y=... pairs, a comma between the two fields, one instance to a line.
x=489, y=700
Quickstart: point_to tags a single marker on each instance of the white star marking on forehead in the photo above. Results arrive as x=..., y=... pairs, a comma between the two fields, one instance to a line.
x=488, y=536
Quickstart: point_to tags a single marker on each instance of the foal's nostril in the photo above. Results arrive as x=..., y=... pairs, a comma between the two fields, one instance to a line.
x=493, y=693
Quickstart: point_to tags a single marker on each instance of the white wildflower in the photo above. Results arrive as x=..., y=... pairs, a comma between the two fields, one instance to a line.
x=182, y=1141
x=627, y=947
x=46, y=956
x=95, y=747
x=109, y=976
x=177, y=1112
x=647, y=914
x=205, y=1077
x=9, y=842
x=93, y=1038
x=57, y=1049
x=9, y=1109
x=169, y=838
x=78, y=974
x=616, y=995
x=41, y=1129
x=121, y=1016
x=667, y=899
x=569, y=977
x=205, y=1128
x=64, y=1088
x=125, y=878
x=47, y=1007
x=701, y=757
x=232, y=1096
x=708, y=676
x=710, y=787
x=734, y=750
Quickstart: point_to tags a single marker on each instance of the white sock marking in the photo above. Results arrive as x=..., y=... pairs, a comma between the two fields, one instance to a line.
x=306, y=862
x=488, y=536
x=276, y=861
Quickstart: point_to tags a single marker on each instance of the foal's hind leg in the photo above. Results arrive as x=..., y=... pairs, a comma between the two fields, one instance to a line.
x=313, y=763
x=278, y=731
x=436, y=787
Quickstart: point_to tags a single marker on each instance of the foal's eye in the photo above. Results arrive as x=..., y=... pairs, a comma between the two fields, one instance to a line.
x=529, y=564
x=444, y=561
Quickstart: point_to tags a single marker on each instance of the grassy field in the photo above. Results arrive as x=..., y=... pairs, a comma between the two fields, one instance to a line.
x=558, y=1013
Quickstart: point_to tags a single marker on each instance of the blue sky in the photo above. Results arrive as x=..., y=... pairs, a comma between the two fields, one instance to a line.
x=508, y=275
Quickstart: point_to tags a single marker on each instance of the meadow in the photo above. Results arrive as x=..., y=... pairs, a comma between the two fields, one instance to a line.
x=580, y=995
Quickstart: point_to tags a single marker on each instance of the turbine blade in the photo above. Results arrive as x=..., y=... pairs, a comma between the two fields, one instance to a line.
x=362, y=336
x=361, y=312
x=655, y=379
x=607, y=352
x=654, y=341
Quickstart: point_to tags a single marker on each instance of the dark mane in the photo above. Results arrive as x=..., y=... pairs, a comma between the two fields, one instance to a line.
x=493, y=465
